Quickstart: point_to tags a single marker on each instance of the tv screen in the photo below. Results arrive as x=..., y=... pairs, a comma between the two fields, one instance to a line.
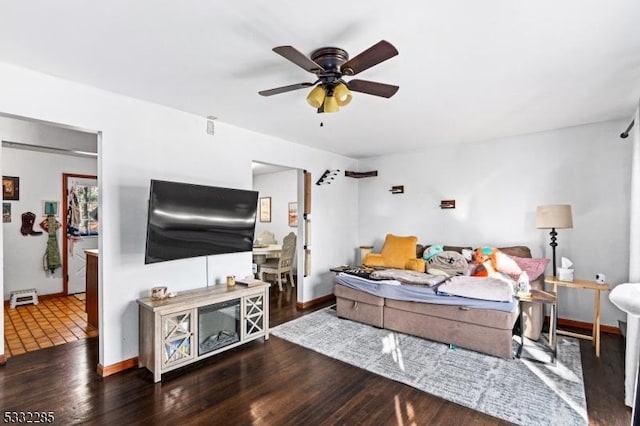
x=187, y=220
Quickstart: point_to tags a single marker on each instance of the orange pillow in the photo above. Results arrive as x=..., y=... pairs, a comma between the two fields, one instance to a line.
x=397, y=250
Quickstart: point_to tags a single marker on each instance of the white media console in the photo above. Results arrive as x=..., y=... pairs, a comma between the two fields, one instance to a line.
x=196, y=324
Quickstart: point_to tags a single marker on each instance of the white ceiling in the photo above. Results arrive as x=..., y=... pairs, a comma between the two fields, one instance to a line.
x=468, y=70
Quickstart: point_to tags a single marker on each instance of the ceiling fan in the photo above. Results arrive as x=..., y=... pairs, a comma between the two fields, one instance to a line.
x=330, y=64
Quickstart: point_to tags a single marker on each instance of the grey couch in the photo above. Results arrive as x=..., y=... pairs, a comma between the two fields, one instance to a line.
x=483, y=330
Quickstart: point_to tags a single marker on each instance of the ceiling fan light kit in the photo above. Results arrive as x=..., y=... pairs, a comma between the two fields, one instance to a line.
x=330, y=104
x=342, y=94
x=316, y=97
x=330, y=64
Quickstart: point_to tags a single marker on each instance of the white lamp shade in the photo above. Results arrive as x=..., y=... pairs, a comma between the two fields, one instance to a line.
x=554, y=216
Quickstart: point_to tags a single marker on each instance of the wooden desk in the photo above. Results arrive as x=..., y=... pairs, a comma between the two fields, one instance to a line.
x=586, y=285
x=262, y=253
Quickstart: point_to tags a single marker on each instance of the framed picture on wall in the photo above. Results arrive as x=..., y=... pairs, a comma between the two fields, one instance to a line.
x=6, y=212
x=292, y=214
x=10, y=188
x=50, y=207
x=265, y=209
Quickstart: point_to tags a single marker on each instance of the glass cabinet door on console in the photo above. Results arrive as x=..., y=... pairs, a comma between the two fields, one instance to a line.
x=177, y=332
x=254, y=315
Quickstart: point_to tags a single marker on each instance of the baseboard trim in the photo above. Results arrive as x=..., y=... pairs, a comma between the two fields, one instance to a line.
x=314, y=302
x=563, y=322
x=117, y=367
x=3, y=359
x=51, y=295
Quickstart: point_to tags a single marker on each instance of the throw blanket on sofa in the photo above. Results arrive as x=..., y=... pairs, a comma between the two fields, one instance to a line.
x=448, y=263
x=408, y=277
x=418, y=293
x=484, y=288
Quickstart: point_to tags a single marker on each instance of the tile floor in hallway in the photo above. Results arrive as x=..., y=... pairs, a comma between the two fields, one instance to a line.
x=51, y=322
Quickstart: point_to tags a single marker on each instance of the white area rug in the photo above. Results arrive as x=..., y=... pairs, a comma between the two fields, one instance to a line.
x=523, y=391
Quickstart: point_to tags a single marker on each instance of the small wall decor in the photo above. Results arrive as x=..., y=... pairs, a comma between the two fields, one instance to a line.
x=292, y=214
x=265, y=209
x=398, y=189
x=360, y=175
x=10, y=188
x=448, y=204
x=50, y=207
x=6, y=212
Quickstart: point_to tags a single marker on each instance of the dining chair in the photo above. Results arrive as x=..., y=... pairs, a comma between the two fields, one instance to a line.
x=266, y=237
x=283, y=264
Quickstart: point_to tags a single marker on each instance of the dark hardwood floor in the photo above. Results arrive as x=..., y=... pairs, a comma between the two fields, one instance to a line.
x=265, y=383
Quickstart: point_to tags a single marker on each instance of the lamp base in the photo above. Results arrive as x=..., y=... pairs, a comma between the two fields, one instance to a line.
x=553, y=245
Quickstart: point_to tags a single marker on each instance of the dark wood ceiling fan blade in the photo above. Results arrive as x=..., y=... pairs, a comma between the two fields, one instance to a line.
x=298, y=58
x=373, y=88
x=377, y=53
x=284, y=89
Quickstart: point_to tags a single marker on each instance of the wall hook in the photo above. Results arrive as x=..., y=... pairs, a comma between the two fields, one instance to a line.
x=327, y=177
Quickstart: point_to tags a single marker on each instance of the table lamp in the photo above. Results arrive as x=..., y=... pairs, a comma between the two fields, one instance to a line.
x=555, y=216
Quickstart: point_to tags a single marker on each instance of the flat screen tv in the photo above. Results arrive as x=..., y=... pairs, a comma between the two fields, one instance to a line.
x=187, y=220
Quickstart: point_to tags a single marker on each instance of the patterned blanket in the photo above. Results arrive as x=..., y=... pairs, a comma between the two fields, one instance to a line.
x=408, y=277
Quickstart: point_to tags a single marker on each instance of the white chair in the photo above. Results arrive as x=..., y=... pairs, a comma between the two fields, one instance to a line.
x=266, y=237
x=283, y=264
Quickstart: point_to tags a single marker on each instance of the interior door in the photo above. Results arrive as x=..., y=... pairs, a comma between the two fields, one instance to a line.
x=81, y=228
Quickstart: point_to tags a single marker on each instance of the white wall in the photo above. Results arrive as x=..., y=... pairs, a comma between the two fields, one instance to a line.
x=282, y=187
x=140, y=141
x=40, y=179
x=498, y=184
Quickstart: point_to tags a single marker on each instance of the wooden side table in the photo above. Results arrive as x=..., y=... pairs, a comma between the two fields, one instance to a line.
x=587, y=285
x=543, y=297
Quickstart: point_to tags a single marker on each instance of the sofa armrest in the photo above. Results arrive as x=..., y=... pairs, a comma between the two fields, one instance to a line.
x=419, y=265
x=373, y=259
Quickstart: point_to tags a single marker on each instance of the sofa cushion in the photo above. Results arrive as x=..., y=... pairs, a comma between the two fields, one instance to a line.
x=359, y=306
x=520, y=251
x=344, y=292
x=485, y=317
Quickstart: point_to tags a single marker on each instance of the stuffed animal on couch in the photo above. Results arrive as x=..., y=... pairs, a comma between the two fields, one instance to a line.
x=494, y=261
x=397, y=252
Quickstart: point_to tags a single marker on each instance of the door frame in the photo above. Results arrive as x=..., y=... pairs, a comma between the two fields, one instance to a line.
x=65, y=241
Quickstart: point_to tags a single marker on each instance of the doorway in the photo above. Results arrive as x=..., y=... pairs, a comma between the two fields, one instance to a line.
x=80, y=227
x=37, y=154
x=279, y=186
